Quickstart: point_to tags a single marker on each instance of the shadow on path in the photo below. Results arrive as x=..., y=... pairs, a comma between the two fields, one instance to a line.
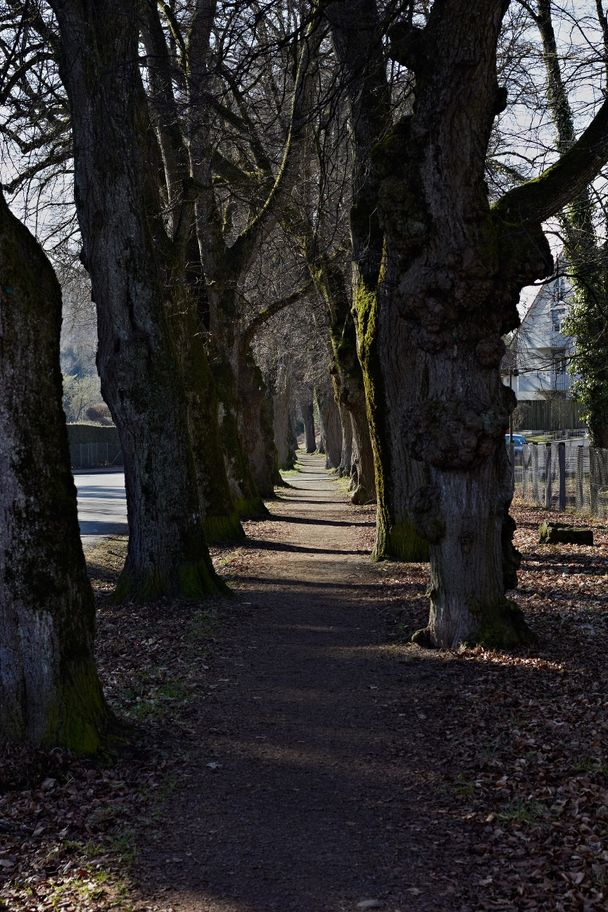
x=309, y=772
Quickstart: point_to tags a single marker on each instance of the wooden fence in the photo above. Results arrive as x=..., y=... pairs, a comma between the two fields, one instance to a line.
x=554, y=415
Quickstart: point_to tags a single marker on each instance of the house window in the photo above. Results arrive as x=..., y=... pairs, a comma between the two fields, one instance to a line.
x=557, y=317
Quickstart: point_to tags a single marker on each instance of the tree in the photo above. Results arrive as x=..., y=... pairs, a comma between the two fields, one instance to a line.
x=433, y=309
x=49, y=690
x=331, y=422
x=357, y=35
x=153, y=366
x=584, y=246
x=316, y=224
x=237, y=131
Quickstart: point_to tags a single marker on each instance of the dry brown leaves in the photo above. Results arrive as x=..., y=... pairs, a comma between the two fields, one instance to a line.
x=526, y=762
x=67, y=826
x=523, y=758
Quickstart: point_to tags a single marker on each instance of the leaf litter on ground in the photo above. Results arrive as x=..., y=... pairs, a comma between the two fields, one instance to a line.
x=524, y=737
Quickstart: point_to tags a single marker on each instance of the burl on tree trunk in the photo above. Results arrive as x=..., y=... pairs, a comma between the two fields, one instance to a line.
x=439, y=275
x=459, y=267
x=49, y=690
x=451, y=278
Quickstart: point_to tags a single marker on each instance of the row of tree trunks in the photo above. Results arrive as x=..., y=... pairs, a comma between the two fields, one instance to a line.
x=285, y=437
x=212, y=283
x=358, y=42
x=49, y=690
x=256, y=424
x=346, y=453
x=346, y=371
x=336, y=437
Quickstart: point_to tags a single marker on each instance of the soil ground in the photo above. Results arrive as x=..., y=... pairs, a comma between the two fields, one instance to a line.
x=308, y=790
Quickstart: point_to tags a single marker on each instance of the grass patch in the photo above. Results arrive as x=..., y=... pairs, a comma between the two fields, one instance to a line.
x=524, y=813
x=204, y=624
x=106, y=559
x=158, y=700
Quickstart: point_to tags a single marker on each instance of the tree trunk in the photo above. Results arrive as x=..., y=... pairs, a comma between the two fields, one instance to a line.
x=221, y=516
x=255, y=409
x=228, y=360
x=191, y=318
x=331, y=425
x=130, y=259
x=442, y=324
x=347, y=372
x=358, y=42
x=285, y=438
x=49, y=690
x=346, y=451
x=308, y=417
x=438, y=281
x=366, y=479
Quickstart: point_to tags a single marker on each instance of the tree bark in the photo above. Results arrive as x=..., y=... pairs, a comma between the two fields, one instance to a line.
x=256, y=423
x=437, y=287
x=49, y=690
x=331, y=424
x=285, y=438
x=358, y=42
x=346, y=370
x=141, y=311
x=446, y=397
x=346, y=451
x=308, y=417
x=221, y=520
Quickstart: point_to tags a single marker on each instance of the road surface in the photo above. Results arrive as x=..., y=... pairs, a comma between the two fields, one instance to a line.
x=102, y=505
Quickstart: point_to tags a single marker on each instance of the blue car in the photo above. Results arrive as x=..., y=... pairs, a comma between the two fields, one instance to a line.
x=518, y=442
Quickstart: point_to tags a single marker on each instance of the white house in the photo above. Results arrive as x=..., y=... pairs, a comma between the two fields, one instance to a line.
x=538, y=352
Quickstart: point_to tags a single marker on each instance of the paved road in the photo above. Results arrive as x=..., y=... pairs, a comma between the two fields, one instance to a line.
x=102, y=505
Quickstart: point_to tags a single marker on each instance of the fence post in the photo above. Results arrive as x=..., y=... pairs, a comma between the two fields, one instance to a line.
x=561, y=458
x=548, y=479
x=535, y=475
x=580, y=468
x=525, y=462
x=592, y=481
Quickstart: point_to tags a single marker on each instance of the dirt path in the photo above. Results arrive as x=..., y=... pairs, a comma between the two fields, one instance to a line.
x=313, y=784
